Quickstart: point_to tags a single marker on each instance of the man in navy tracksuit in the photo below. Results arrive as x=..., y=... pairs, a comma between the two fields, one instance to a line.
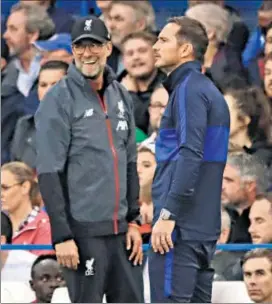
x=191, y=152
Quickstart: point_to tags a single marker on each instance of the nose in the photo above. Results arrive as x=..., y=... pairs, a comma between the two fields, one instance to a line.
x=87, y=52
x=251, y=228
x=155, y=46
x=5, y=36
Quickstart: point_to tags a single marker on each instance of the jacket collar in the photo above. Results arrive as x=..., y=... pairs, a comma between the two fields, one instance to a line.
x=180, y=73
x=75, y=74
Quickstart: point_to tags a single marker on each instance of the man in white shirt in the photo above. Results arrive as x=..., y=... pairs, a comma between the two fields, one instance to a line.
x=15, y=268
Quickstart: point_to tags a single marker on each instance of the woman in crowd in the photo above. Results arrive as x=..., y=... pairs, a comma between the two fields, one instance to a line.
x=20, y=198
x=146, y=165
x=251, y=122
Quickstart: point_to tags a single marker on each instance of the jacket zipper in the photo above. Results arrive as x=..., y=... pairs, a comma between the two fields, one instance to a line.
x=115, y=168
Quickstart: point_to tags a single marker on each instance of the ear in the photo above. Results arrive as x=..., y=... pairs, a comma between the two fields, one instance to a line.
x=26, y=187
x=31, y=285
x=247, y=120
x=211, y=35
x=186, y=50
x=33, y=36
x=109, y=48
x=140, y=25
x=251, y=190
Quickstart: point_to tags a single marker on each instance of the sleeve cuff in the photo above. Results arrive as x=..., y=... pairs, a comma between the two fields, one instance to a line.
x=172, y=205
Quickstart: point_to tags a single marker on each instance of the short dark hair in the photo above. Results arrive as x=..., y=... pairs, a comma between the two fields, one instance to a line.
x=39, y=259
x=6, y=227
x=194, y=32
x=146, y=36
x=55, y=65
x=258, y=253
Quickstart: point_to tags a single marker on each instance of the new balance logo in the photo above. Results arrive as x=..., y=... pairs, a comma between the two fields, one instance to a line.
x=122, y=125
x=88, y=113
x=90, y=267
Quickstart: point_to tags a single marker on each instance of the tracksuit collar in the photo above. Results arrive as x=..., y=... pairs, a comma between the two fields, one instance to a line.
x=179, y=73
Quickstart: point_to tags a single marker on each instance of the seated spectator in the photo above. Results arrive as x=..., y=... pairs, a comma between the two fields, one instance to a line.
x=25, y=25
x=146, y=165
x=124, y=18
x=158, y=103
x=104, y=6
x=251, y=122
x=222, y=57
x=268, y=40
x=255, y=45
x=58, y=47
x=141, y=76
x=256, y=65
x=260, y=217
x=4, y=56
x=226, y=264
x=20, y=199
x=244, y=177
x=268, y=76
x=23, y=146
x=46, y=276
x=257, y=270
x=15, y=264
x=62, y=19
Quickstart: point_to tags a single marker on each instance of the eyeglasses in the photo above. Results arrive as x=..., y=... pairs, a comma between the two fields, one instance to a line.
x=80, y=48
x=157, y=106
x=6, y=187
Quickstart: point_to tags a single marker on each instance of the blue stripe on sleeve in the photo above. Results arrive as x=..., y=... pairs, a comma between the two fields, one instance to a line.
x=216, y=144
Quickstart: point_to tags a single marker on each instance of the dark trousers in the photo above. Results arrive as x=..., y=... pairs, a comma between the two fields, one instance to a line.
x=104, y=269
x=182, y=275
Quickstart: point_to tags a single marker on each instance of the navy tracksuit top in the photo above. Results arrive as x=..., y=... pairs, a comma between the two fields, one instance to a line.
x=191, y=153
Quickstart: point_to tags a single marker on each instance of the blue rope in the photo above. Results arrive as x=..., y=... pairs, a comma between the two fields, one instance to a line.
x=224, y=247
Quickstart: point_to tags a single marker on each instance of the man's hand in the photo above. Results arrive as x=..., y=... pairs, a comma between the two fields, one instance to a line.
x=146, y=211
x=134, y=243
x=67, y=254
x=161, y=237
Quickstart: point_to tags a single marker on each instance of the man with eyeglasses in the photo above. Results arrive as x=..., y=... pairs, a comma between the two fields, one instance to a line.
x=86, y=166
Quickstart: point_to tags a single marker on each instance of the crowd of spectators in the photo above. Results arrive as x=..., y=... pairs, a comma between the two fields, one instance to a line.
x=36, y=53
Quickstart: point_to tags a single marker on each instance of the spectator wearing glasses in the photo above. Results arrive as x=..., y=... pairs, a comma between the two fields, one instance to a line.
x=86, y=152
x=20, y=197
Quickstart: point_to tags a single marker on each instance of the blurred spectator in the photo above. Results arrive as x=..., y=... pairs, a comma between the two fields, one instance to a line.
x=268, y=76
x=141, y=76
x=251, y=122
x=226, y=264
x=158, y=103
x=257, y=269
x=223, y=56
x=4, y=56
x=261, y=220
x=58, y=47
x=244, y=177
x=25, y=25
x=255, y=45
x=15, y=264
x=62, y=19
x=146, y=165
x=104, y=6
x=126, y=17
x=20, y=198
x=268, y=39
x=23, y=146
x=256, y=65
x=46, y=276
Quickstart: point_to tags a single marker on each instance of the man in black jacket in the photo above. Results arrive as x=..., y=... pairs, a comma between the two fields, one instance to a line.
x=86, y=163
